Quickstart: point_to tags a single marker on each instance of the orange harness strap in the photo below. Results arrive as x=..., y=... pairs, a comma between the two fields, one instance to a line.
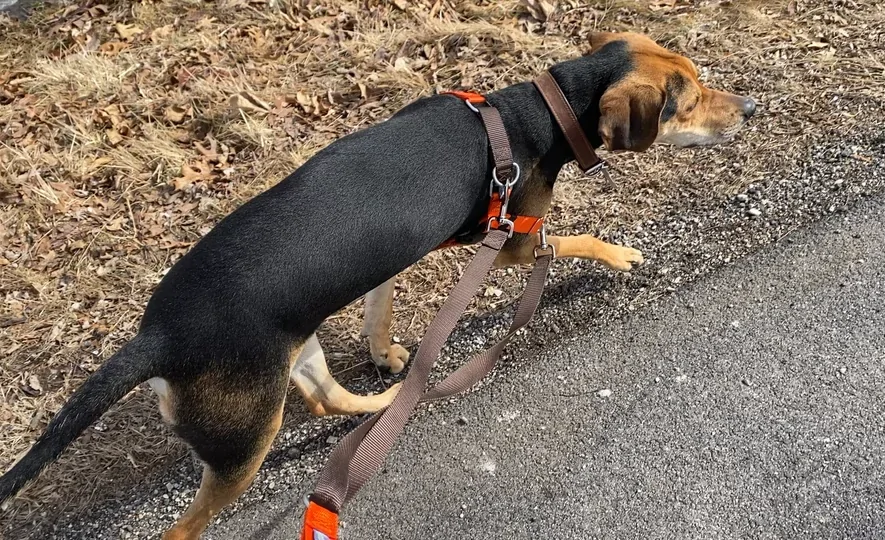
x=521, y=224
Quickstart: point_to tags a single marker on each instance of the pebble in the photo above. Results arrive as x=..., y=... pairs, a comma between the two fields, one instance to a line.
x=604, y=393
x=293, y=453
x=742, y=197
x=462, y=421
x=755, y=212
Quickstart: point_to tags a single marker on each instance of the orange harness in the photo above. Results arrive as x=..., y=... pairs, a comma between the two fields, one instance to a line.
x=497, y=216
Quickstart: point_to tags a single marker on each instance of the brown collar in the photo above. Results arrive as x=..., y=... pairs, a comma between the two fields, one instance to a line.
x=584, y=153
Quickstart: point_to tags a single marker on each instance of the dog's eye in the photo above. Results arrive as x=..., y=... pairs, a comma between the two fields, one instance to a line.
x=691, y=107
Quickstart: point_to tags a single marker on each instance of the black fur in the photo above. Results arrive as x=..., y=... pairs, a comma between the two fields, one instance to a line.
x=130, y=366
x=359, y=212
x=676, y=84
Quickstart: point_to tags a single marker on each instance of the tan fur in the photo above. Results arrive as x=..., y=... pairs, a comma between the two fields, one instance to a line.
x=376, y=325
x=321, y=392
x=215, y=493
x=703, y=116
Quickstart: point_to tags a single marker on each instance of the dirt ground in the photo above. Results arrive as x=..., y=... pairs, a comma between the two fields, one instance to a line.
x=127, y=129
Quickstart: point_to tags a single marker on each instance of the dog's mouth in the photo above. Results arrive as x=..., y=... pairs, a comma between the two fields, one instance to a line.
x=694, y=139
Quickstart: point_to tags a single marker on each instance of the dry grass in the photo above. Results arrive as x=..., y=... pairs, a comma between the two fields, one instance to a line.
x=128, y=129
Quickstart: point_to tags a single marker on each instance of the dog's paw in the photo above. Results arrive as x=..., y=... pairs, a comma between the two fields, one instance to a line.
x=393, y=357
x=622, y=258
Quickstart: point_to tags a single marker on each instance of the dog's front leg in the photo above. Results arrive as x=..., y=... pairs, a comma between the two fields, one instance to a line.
x=585, y=246
x=377, y=317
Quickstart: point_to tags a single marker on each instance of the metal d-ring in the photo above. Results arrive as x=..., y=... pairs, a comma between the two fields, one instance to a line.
x=504, y=187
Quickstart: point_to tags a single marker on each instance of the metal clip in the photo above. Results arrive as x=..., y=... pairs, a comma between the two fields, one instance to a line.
x=543, y=248
x=503, y=187
x=472, y=106
x=501, y=222
x=604, y=168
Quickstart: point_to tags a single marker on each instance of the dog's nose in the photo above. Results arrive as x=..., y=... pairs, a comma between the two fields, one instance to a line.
x=748, y=107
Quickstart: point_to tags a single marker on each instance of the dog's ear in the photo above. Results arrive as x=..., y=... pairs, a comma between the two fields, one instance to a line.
x=630, y=116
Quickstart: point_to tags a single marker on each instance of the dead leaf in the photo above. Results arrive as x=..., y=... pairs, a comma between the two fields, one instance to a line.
x=541, y=10
x=114, y=137
x=128, y=31
x=401, y=64
x=161, y=33
x=97, y=163
x=198, y=172
x=34, y=384
x=245, y=101
x=319, y=25
x=212, y=154
x=176, y=113
x=113, y=48
x=662, y=5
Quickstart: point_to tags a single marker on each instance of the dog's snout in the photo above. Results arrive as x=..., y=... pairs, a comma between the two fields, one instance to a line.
x=748, y=107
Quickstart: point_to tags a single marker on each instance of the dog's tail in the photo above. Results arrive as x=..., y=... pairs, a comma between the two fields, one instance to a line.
x=132, y=365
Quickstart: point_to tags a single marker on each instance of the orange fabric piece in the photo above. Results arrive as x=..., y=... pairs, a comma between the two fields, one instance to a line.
x=472, y=97
x=319, y=519
x=521, y=224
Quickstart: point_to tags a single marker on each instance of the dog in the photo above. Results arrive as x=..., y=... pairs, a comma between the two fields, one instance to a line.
x=234, y=321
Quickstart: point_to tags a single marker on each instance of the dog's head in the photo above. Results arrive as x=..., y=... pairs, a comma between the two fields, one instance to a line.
x=660, y=100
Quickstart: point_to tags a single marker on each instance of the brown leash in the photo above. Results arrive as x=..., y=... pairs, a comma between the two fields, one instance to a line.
x=360, y=454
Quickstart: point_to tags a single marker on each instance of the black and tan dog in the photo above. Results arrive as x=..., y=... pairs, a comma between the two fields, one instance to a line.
x=235, y=319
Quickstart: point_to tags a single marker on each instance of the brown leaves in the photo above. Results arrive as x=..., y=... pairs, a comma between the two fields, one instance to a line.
x=200, y=171
x=160, y=34
x=128, y=31
x=213, y=163
x=114, y=137
x=540, y=10
x=176, y=113
x=113, y=48
x=244, y=101
x=33, y=386
x=120, y=126
x=667, y=5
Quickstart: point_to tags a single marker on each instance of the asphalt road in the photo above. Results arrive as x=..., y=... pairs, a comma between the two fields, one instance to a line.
x=746, y=405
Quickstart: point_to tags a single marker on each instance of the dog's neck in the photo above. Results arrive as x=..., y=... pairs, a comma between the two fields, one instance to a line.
x=531, y=126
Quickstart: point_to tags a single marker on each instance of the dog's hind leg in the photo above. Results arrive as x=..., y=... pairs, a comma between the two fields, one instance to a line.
x=231, y=431
x=377, y=316
x=322, y=393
